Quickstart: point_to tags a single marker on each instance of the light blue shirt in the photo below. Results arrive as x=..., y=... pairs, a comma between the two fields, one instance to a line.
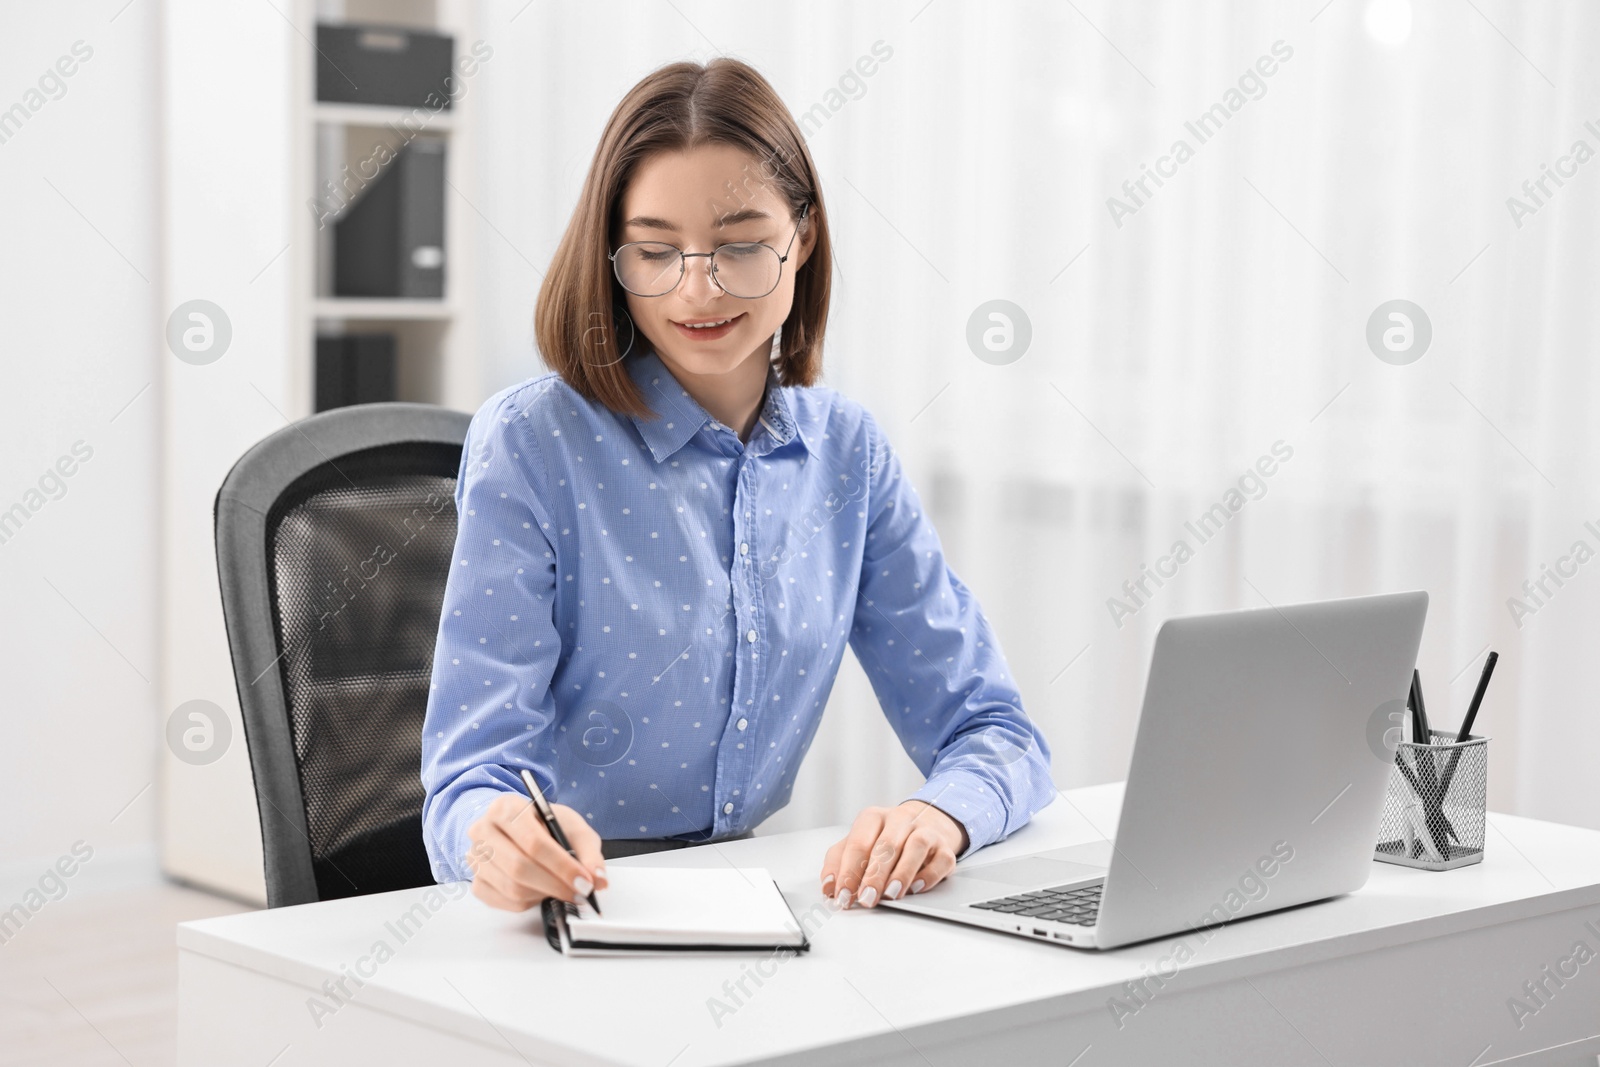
x=650, y=614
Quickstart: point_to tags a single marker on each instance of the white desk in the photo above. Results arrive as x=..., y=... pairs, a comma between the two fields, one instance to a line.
x=1339, y=982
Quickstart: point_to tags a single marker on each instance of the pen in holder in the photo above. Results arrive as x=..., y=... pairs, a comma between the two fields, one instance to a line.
x=1433, y=815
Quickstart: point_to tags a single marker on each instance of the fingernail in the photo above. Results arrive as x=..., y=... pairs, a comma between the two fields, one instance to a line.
x=869, y=896
x=892, y=890
x=826, y=882
x=916, y=887
x=842, y=900
x=582, y=886
x=599, y=872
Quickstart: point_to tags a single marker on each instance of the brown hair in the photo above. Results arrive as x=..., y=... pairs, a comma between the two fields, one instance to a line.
x=679, y=106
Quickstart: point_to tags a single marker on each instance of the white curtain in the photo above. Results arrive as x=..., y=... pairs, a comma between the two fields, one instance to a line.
x=1175, y=344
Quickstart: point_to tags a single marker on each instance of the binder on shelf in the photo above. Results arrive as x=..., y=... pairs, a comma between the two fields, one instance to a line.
x=391, y=66
x=390, y=242
x=355, y=368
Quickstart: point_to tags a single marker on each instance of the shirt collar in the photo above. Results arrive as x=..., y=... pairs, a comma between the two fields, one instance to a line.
x=679, y=416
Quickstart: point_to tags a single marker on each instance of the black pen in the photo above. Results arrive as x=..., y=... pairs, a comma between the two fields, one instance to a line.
x=1472, y=714
x=1437, y=823
x=1477, y=696
x=1411, y=705
x=548, y=817
x=1422, y=711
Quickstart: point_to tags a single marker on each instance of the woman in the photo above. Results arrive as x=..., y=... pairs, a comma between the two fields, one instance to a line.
x=665, y=544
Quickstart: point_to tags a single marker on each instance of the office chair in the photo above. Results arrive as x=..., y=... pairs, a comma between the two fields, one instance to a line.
x=334, y=538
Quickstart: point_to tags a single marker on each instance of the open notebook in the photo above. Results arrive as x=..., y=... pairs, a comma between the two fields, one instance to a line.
x=677, y=909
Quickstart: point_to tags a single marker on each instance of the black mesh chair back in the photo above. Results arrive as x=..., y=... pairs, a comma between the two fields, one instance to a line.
x=334, y=538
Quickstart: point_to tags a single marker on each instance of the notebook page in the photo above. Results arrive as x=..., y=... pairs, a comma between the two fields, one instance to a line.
x=682, y=905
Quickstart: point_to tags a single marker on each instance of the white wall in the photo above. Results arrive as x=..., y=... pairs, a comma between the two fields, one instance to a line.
x=79, y=283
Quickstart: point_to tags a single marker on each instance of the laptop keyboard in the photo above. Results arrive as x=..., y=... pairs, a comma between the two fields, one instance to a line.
x=1077, y=905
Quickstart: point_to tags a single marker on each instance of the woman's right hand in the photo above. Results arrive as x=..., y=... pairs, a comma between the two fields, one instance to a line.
x=516, y=863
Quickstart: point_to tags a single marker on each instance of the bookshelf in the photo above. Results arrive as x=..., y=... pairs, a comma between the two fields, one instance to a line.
x=344, y=146
x=374, y=116
x=358, y=309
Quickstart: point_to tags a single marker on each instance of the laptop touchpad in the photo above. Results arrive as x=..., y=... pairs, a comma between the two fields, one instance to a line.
x=1033, y=870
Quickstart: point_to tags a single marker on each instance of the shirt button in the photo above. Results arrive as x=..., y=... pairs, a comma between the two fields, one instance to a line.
x=744, y=549
x=727, y=809
x=742, y=723
x=751, y=637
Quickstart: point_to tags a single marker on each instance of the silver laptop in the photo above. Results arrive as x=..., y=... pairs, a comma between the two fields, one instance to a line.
x=1257, y=781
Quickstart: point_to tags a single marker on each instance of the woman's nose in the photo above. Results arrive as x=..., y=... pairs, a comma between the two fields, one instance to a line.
x=699, y=285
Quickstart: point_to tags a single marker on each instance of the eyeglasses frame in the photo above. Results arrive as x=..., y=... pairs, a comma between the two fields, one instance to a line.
x=684, y=257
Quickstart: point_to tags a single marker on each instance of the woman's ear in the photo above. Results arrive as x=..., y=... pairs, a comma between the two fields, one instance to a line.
x=808, y=237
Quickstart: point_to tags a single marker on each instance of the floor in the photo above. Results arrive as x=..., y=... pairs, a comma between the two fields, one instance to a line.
x=93, y=980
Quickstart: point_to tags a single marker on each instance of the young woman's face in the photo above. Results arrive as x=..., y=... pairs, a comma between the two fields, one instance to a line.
x=698, y=199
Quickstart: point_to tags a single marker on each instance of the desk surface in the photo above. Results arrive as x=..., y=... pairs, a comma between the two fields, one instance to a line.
x=490, y=976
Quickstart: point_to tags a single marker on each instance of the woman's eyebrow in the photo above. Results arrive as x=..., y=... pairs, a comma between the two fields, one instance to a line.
x=733, y=218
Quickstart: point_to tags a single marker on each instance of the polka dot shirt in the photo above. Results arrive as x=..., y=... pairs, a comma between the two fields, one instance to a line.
x=649, y=614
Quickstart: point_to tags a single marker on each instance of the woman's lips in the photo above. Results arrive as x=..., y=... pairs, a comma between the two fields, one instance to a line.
x=707, y=333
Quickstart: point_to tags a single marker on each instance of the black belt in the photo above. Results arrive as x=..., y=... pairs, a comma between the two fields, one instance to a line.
x=617, y=847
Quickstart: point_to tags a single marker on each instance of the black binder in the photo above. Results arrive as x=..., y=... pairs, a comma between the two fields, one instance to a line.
x=390, y=242
x=355, y=368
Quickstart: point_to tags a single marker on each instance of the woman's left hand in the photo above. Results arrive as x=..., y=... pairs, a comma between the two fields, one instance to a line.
x=890, y=851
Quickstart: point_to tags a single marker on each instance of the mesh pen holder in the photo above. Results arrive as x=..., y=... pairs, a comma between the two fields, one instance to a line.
x=1433, y=815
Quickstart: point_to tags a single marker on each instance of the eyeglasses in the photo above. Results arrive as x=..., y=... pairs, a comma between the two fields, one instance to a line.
x=745, y=269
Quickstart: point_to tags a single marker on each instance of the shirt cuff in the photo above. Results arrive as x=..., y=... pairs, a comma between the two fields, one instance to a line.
x=466, y=808
x=970, y=801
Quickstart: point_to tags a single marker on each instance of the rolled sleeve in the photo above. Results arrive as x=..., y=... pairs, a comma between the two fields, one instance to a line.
x=938, y=669
x=490, y=704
